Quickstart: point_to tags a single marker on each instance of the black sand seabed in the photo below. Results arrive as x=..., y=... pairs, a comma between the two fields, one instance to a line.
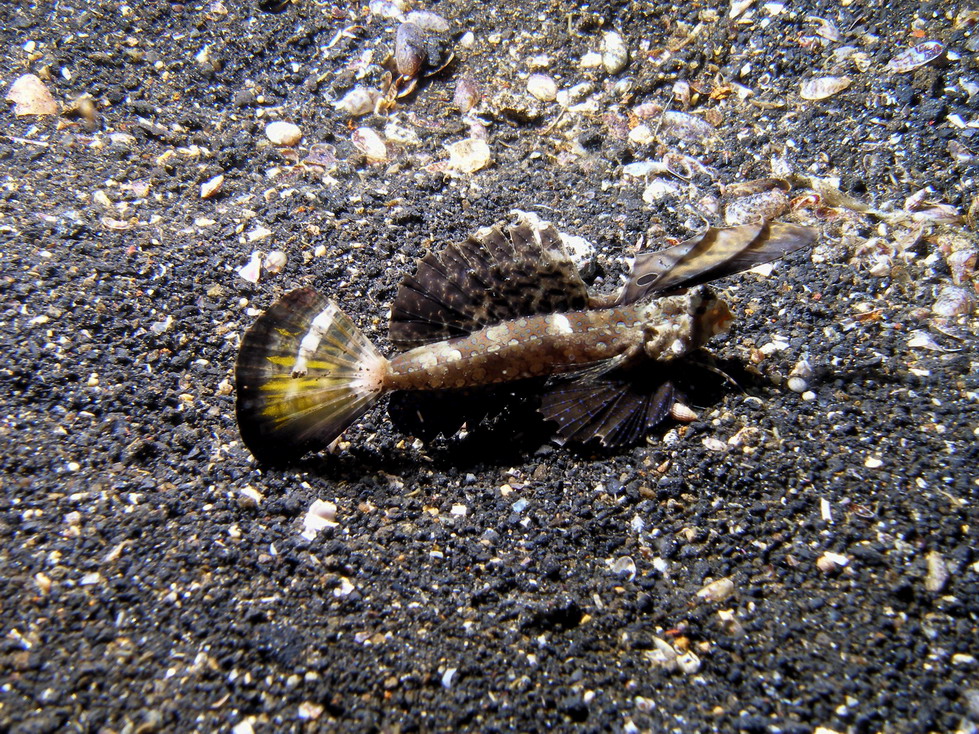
x=153, y=579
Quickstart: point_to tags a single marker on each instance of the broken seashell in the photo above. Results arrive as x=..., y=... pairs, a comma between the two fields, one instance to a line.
x=915, y=57
x=358, y=101
x=823, y=87
x=368, y=142
x=468, y=155
x=30, y=97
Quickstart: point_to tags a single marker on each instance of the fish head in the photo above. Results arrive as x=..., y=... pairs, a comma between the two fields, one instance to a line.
x=682, y=323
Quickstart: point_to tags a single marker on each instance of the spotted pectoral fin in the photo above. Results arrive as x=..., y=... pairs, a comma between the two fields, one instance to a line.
x=490, y=277
x=716, y=253
x=616, y=411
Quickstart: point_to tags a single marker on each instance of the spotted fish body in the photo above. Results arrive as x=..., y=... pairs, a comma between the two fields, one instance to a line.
x=496, y=309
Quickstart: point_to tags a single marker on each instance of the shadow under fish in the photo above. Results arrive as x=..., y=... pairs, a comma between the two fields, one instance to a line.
x=498, y=315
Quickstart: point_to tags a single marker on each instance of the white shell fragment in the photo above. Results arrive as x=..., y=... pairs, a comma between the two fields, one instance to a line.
x=275, y=261
x=919, y=339
x=368, y=142
x=624, y=567
x=952, y=301
x=283, y=133
x=319, y=516
x=760, y=207
x=466, y=94
x=252, y=271
x=738, y=7
x=718, y=590
x=468, y=155
x=212, y=186
x=915, y=57
x=358, y=101
x=615, y=54
x=542, y=87
x=831, y=562
x=30, y=97
x=686, y=127
x=938, y=574
x=428, y=20
x=823, y=87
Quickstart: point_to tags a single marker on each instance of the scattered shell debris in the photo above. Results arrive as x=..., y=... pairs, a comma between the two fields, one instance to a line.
x=667, y=657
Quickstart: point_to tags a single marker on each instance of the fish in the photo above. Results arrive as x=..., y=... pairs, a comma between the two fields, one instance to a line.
x=506, y=308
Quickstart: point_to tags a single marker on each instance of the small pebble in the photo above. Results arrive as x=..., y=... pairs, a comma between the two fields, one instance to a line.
x=937, y=576
x=283, y=133
x=212, y=186
x=615, y=53
x=542, y=87
x=797, y=384
x=831, y=562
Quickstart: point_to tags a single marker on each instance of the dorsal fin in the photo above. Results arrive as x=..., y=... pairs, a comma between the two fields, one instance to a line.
x=488, y=278
x=712, y=255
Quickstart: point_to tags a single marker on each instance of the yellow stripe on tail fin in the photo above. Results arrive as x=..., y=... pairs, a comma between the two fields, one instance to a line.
x=305, y=372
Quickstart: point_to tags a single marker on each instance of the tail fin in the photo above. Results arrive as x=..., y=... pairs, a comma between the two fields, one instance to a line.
x=304, y=374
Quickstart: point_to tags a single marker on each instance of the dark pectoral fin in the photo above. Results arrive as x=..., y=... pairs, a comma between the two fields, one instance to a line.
x=488, y=278
x=715, y=254
x=615, y=411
